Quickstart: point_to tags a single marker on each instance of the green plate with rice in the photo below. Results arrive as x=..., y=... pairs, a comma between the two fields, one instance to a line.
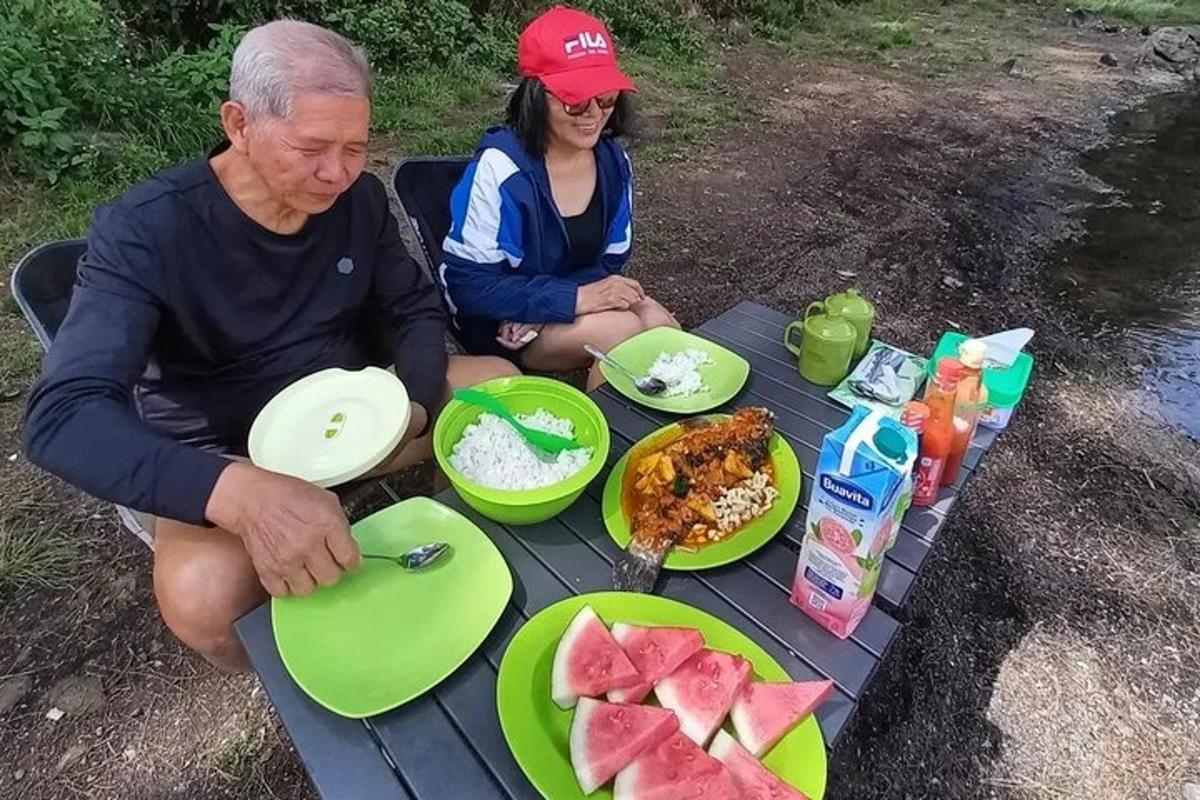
x=739, y=544
x=721, y=377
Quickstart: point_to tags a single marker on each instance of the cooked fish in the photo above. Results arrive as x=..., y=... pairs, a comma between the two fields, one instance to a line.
x=672, y=486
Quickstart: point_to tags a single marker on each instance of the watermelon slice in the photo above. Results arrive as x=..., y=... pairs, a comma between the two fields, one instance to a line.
x=588, y=662
x=755, y=781
x=605, y=737
x=702, y=690
x=675, y=769
x=765, y=712
x=655, y=652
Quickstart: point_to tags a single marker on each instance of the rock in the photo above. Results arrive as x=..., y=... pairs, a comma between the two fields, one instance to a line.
x=13, y=691
x=951, y=282
x=73, y=754
x=1079, y=17
x=1191, y=791
x=18, y=775
x=1112, y=28
x=1008, y=66
x=1145, y=30
x=1108, y=60
x=77, y=694
x=1175, y=49
x=124, y=587
x=54, y=714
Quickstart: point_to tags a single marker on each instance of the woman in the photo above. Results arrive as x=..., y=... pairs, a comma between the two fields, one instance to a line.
x=542, y=218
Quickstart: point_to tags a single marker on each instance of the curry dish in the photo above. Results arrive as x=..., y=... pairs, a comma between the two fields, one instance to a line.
x=701, y=482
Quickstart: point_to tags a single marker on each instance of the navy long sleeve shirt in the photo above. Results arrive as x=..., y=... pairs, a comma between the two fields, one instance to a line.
x=188, y=316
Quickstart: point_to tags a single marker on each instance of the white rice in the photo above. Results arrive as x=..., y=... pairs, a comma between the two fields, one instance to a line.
x=492, y=454
x=749, y=500
x=680, y=372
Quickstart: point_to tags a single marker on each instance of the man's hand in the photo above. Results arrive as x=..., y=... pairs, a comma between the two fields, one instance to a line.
x=616, y=292
x=515, y=335
x=296, y=534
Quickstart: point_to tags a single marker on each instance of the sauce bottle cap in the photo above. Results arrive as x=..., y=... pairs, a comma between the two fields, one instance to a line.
x=972, y=353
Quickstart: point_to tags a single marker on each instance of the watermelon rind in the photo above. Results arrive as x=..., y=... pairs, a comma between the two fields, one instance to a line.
x=560, y=685
x=690, y=724
x=739, y=715
x=584, y=773
x=596, y=761
x=625, y=786
x=723, y=747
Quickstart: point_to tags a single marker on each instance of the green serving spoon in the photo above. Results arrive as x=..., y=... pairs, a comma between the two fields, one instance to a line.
x=538, y=440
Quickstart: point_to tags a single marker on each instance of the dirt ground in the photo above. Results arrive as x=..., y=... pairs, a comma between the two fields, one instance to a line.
x=1053, y=649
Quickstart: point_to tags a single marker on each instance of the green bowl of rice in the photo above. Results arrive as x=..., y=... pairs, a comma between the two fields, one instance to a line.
x=496, y=473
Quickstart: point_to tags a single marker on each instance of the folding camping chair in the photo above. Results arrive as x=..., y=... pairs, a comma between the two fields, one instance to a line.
x=423, y=185
x=42, y=285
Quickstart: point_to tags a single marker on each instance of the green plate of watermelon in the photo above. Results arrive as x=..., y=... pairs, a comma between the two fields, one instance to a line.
x=637, y=697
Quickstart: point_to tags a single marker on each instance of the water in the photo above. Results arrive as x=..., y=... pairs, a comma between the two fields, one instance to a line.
x=1137, y=269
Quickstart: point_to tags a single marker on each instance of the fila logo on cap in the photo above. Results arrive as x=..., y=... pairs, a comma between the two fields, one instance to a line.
x=585, y=44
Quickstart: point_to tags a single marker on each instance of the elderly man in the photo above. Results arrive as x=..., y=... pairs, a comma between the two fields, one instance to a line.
x=206, y=290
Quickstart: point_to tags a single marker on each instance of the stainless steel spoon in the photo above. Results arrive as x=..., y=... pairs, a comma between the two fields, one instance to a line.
x=417, y=558
x=647, y=385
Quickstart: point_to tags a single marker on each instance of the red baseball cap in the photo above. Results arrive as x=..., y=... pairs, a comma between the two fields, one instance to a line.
x=573, y=54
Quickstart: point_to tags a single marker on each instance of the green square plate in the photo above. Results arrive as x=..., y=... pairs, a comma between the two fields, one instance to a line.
x=382, y=635
x=538, y=731
x=724, y=377
x=788, y=478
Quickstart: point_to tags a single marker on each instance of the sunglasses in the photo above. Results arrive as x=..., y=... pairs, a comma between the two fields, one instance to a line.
x=603, y=101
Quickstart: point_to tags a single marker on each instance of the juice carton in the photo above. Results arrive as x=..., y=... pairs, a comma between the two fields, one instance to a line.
x=863, y=474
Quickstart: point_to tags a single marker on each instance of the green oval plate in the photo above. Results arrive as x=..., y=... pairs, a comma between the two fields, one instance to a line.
x=724, y=377
x=538, y=731
x=383, y=635
x=788, y=478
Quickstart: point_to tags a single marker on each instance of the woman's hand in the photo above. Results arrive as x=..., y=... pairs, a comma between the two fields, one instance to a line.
x=614, y=293
x=515, y=335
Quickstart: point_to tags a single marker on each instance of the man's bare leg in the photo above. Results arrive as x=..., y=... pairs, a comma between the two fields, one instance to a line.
x=203, y=582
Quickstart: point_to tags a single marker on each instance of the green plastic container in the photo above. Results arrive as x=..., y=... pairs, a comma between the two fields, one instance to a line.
x=525, y=395
x=1005, y=387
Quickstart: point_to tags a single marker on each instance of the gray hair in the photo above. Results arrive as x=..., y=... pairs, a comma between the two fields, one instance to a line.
x=276, y=61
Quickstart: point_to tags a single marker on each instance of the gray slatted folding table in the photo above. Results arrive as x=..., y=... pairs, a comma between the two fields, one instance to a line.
x=448, y=743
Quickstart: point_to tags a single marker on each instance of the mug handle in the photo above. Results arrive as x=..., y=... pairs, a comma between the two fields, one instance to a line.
x=798, y=325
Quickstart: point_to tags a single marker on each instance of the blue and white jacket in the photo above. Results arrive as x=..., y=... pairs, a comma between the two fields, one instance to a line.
x=507, y=256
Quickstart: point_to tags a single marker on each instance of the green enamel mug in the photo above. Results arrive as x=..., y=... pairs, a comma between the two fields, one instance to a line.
x=823, y=343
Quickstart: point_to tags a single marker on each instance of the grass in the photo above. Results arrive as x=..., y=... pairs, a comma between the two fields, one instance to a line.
x=31, y=556
x=235, y=757
x=1145, y=11
x=874, y=26
x=438, y=112
x=680, y=103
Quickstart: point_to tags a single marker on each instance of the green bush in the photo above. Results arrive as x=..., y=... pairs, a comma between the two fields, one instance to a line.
x=649, y=25
x=408, y=33
x=183, y=23
x=59, y=62
x=181, y=93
